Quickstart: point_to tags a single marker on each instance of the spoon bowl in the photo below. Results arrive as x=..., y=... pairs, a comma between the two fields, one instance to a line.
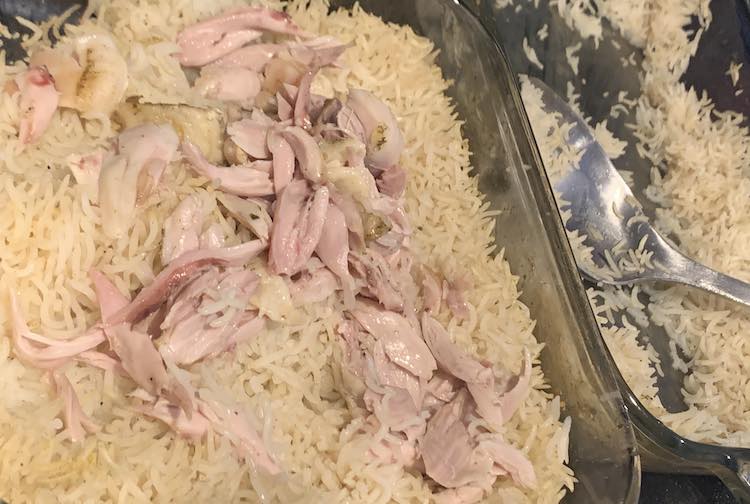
x=625, y=246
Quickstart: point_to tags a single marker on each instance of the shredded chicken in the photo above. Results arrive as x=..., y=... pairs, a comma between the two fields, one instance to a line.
x=384, y=139
x=306, y=151
x=77, y=423
x=297, y=227
x=207, y=320
x=182, y=229
x=333, y=250
x=38, y=103
x=244, y=180
x=213, y=38
x=46, y=353
x=133, y=173
x=319, y=183
x=181, y=269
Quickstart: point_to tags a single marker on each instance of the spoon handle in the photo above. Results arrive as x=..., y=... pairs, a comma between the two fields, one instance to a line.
x=692, y=273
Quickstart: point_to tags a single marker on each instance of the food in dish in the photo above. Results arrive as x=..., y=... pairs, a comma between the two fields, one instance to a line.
x=255, y=267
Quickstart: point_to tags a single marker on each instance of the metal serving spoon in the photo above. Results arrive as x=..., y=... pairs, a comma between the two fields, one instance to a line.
x=604, y=209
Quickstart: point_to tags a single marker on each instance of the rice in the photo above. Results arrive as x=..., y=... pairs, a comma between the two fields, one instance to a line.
x=531, y=54
x=289, y=377
x=571, y=57
x=699, y=180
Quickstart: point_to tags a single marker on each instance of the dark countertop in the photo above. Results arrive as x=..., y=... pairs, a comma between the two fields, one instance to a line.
x=721, y=44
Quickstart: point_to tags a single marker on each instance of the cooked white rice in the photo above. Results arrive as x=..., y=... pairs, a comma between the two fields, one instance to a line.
x=289, y=376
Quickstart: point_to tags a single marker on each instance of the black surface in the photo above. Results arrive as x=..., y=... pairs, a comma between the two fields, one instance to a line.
x=680, y=489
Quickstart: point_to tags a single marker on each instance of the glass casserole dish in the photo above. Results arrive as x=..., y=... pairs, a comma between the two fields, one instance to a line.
x=602, y=443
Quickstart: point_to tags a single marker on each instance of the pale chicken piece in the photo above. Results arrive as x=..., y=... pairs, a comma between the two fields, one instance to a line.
x=129, y=176
x=281, y=74
x=233, y=424
x=86, y=169
x=302, y=105
x=77, y=423
x=233, y=154
x=212, y=237
x=396, y=410
x=392, y=182
x=210, y=46
x=102, y=361
x=193, y=338
x=440, y=389
x=104, y=78
x=455, y=295
x=251, y=213
x=510, y=460
x=319, y=51
x=144, y=365
x=297, y=226
x=203, y=127
x=251, y=136
x=193, y=428
x=450, y=357
x=352, y=216
x=253, y=57
x=350, y=124
x=383, y=136
x=402, y=343
x=215, y=37
x=388, y=373
x=461, y=495
x=238, y=85
x=325, y=117
x=284, y=110
x=109, y=297
x=306, y=151
x=208, y=320
x=380, y=282
x=182, y=229
x=242, y=180
x=333, y=250
x=384, y=218
x=313, y=287
x=62, y=64
x=283, y=160
x=89, y=72
x=180, y=271
x=148, y=149
x=497, y=402
x=38, y=103
x=432, y=290
x=354, y=365
x=47, y=353
x=394, y=449
x=448, y=451
x=398, y=231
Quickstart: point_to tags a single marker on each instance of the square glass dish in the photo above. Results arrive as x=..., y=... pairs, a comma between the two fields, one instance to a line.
x=506, y=161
